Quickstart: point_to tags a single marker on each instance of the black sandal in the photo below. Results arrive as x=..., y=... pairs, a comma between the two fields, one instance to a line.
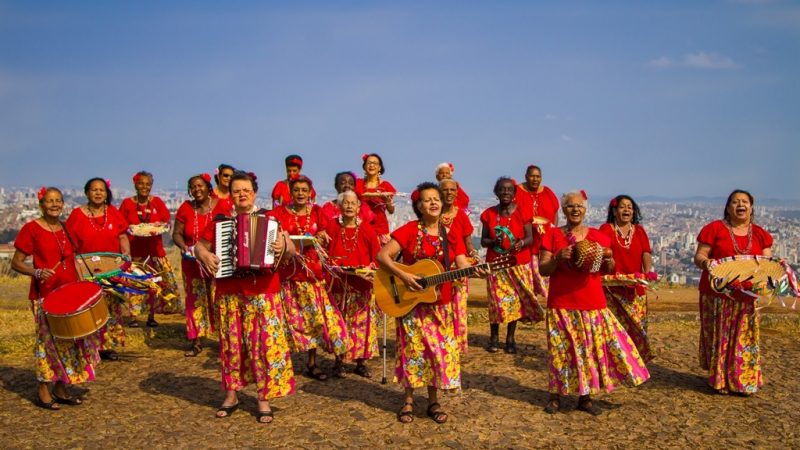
x=586, y=404
x=361, y=370
x=553, y=405
x=195, y=350
x=228, y=410
x=152, y=323
x=494, y=345
x=401, y=415
x=261, y=414
x=438, y=416
x=511, y=347
x=71, y=401
x=109, y=355
x=338, y=371
x=315, y=373
x=51, y=405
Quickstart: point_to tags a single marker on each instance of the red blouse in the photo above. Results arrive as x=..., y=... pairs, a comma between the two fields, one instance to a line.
x=50, y=250
x=628, y=260
x=281, y=195
x=376, y=204
x=462, y=199
x=408, y=236
x=515, y=224
x=225, y=205
x=97, y=234
x=352, y=247
x=154, y=211
x=570, y=288
x=193, y=226
x=295, y=225
x=542, y=204
x=461, y=225
x=256, y=283
x=718, y=236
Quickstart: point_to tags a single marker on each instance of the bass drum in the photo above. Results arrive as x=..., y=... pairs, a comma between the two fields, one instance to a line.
x=75, y=310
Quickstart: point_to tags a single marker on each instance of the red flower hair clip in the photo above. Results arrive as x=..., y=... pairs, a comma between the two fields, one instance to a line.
x=613, y=202
x=206, y=177
x=415, y=196
x=452, y=168
x=252, y=175
x=364, y=156
x=136, y=178
x=216, y=171
x=108, y=183
x=40, y=194
x=583, y=194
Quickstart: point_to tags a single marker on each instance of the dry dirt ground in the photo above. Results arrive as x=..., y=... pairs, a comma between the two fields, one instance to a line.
x=156, y=397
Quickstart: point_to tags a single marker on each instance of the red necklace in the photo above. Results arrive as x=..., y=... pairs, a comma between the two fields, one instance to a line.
x=143, y=213
x=627, y=238
x=749, y=245
x=353, y=241
x=62, y=244
x=433, y=241
x=197, y=214
x=307, y=221
x=92, y=218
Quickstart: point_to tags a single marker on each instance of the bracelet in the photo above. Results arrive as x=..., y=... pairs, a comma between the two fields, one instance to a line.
x=37, y=273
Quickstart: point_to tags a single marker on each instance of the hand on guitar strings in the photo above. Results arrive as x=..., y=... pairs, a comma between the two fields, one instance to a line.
x=410, y=280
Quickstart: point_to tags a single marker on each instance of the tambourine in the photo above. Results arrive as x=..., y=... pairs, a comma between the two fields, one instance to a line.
x=501, y=230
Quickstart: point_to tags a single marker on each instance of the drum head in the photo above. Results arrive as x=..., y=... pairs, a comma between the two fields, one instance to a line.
x=71, y=297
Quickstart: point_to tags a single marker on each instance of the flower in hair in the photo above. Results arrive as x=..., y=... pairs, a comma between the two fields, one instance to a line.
x=252, y=175
x=216, y=171
x=136, y=178
x=364, y=156
x=415, y=196
x=108, y=183
x=613, y=202
x=206, y=177
x=452, y=168
x=583, y=194
x=40, y=194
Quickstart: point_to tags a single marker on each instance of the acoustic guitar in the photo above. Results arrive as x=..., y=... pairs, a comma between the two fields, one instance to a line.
x=396, y=300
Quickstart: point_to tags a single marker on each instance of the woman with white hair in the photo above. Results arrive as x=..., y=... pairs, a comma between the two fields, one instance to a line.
x=353, y=246
x=588, y=349
x=444, y=171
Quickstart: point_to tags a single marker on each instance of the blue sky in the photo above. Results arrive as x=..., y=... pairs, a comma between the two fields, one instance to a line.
x=671, y=98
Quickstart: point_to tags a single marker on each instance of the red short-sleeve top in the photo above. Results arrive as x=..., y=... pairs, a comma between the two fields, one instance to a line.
x=97, y=234
x=628, y=260
x=418, y=245
x=282, y=195
x=570, y=288
x=50, y=250
x=542, y=204
x=376, y=204
x=515, y=223
x=254, y=283
x=296, y=225
x=717, y=235
x=352, y=247
x=153, y=211
x=332, y=212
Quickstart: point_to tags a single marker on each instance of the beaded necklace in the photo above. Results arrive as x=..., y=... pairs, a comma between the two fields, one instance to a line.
x=306, y=225
x=446, y=219
x=197, y=213
x=627, y=238
x=61, y=244
x=351, y=240
x=143, y=214
x=92, y=218
x=749, y=245
x=434, y=241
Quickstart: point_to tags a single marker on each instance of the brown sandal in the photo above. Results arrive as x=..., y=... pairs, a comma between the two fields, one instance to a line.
x=586, y=404
x=315, y=373
x=406, y=416
x=438, y=416
x=195, y=350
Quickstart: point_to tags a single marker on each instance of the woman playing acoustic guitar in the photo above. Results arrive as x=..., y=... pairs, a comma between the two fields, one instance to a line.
x=427, y=351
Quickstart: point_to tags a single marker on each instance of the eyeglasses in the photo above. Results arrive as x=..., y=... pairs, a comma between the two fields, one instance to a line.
x=372, y=163
x=225, y=175
x=242, y=191
x=574, y=206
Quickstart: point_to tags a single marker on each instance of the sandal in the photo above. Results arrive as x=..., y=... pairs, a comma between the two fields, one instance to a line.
x=195, y=350
x=511, y=347
x=553, y=406
x=338, y=371
x=152, y=323
x=361, y=370
x=315, y=373
x=438, y=416
x=262, y=414
x=406, y=416
x=51, y=405
x=227, y=410
x=494, y=345
x=109, y=355
x=586, y=404
x=71, y=401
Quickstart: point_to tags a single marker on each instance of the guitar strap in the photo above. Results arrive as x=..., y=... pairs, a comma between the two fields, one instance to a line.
x=443, y=235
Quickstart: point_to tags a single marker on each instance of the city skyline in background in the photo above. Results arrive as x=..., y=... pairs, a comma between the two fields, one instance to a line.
x=673, y=100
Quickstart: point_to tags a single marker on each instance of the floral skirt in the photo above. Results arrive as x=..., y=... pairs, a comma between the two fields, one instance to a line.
x=630, y=309
x=589, y=351
x=362, y=318
x=511, y=296
x=427, y=351
x=461, y=314
x=313, y=321
x=66, y=360
x=200, y=318
x=729, y=343
x=112, y=335
x=253, y=345
x=166, y=298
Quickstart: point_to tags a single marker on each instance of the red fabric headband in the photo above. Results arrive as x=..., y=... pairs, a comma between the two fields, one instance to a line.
x=295, y=162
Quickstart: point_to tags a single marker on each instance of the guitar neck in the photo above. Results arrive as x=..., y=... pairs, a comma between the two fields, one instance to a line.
x=444, y=277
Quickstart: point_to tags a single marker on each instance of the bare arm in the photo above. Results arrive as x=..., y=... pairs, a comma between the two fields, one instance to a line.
x=124, y=244
x=701, y=256
x=647, y=262
x=177, y=236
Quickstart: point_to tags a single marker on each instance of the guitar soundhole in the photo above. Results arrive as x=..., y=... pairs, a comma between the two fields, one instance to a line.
x=423, y=282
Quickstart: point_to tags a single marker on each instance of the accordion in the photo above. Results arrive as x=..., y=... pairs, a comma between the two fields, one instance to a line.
x=244, y=243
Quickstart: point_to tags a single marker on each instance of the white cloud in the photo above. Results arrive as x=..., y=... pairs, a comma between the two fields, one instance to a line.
x=566, y=138
x=696, y=60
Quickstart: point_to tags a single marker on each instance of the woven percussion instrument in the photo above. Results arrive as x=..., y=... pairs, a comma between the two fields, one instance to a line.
x=587, y=256
x=148, y=229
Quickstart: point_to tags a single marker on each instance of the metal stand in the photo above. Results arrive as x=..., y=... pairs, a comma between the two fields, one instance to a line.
x=383, y=380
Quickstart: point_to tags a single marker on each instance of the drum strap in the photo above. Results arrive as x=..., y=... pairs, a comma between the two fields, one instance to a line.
x=75, y=249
